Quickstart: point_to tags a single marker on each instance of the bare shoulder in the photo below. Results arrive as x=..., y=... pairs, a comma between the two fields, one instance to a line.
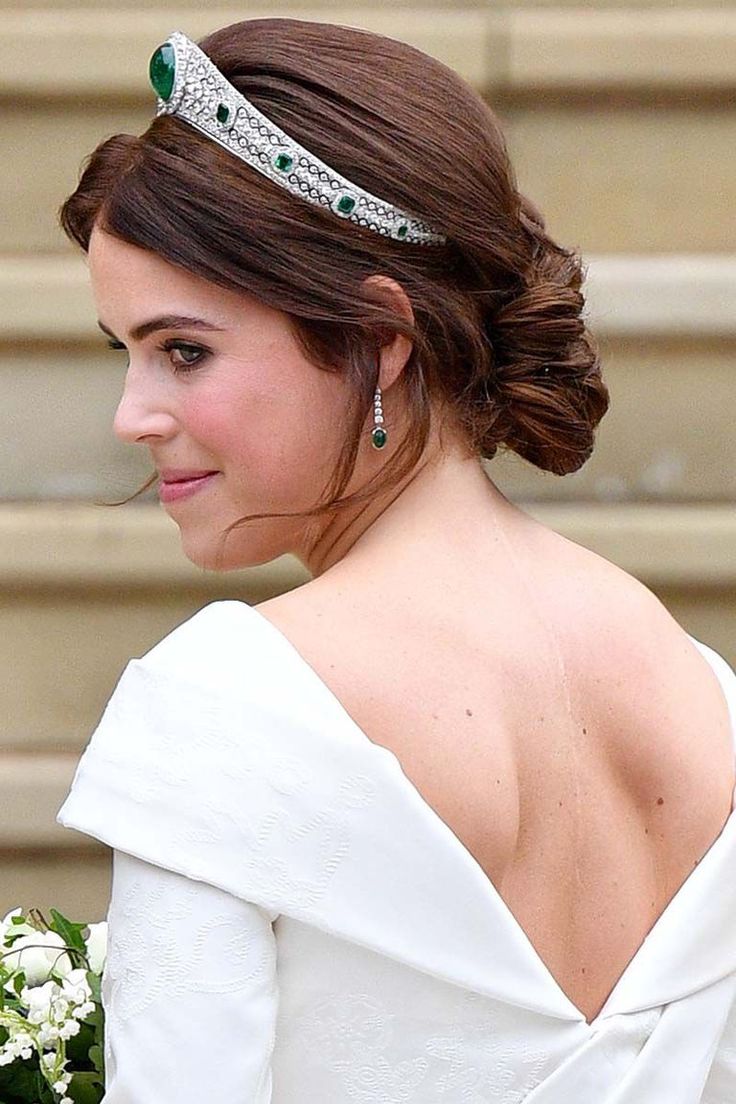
x=652, y=698
x=638, y=651
x=660, y=669
x=662, y=709
x=616, y=638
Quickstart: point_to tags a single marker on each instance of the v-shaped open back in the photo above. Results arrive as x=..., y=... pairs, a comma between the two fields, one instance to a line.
x=727, y=680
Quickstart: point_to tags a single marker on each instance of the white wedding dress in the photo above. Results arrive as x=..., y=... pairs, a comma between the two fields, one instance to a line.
x=291, y=923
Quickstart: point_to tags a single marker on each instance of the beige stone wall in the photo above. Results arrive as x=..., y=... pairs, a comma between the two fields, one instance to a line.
x=621, y=122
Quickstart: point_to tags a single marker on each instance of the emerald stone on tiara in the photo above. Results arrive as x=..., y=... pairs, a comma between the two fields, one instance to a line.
x=161, y=70
x=189, y=85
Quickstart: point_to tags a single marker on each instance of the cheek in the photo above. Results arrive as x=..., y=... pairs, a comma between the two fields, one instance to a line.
x=271, y=438
x=209, y=423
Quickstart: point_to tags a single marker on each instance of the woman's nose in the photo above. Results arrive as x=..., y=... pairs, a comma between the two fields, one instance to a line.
x=140, y=415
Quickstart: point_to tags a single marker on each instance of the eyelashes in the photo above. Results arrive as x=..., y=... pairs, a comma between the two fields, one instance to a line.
x=172, y=345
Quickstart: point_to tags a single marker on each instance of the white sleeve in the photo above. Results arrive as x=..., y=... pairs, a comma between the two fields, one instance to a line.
x=189, y=991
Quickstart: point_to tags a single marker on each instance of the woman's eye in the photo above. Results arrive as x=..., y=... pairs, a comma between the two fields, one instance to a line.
x=193, y=355
x=185, y=356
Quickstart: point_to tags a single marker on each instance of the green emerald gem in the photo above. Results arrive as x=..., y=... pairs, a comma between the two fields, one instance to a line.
x=402, y=231
x=223, y=112
x=379, y=437
x=161, y=70
x=283, y=162
x=346, y=205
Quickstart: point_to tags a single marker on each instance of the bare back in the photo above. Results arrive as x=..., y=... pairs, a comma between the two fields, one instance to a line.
x=559, y=721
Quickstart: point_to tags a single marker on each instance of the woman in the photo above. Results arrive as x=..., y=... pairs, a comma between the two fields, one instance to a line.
x=453, y=821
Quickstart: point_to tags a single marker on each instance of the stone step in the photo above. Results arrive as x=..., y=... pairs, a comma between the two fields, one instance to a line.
x=498, y=47
x=47, y=297
x=75, y=882
x=609, y=119
x=346, y=10
x=43, y=865
x=664, y=325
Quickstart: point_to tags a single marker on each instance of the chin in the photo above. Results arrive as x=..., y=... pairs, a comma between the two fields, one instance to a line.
x=210, y=555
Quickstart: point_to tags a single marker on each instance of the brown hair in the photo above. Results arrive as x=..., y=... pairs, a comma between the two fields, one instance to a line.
x=499, y=340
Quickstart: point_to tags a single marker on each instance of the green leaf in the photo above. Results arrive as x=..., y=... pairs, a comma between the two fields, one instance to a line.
x=98, y=1020
x=44, y=1092
x=22, y=1082
x=93, y=980
x=96, y=1058
x=86, y=1088
x=12, y=936
x=69, y=931
x=78, y=1046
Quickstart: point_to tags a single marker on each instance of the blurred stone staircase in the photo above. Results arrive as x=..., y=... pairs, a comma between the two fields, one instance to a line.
x=621, y=123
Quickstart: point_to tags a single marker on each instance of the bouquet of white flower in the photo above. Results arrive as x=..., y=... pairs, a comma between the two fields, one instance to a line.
x=51, y=1017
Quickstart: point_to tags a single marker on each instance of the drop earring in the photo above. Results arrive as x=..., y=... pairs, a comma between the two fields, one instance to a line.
x=379, y=435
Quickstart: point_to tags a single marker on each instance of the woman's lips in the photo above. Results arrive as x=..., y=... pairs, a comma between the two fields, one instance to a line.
x=171, y=489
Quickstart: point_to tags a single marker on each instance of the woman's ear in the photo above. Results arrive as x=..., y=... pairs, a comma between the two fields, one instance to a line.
x=396, y=350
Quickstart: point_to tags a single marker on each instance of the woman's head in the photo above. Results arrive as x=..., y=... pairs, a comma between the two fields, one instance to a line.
x=481, y=335
x=219, y=383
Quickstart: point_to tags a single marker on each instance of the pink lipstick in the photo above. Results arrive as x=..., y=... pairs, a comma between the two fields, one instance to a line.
x=177, y=483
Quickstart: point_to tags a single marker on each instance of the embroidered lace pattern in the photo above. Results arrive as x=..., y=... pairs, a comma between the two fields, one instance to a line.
x=192, y=964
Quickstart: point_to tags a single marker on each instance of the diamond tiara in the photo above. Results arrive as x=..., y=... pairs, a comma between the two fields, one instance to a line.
x=188, y=84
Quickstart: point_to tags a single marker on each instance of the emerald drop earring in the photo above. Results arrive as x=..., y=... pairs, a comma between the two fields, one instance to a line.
x=378, y=433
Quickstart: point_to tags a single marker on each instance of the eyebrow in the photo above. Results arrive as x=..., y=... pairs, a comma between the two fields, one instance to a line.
x=165, y=322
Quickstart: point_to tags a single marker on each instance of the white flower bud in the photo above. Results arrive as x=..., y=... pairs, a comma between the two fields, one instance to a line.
x=75, y=986
x=38, y=998
x=97, y=946
x=47, y=1034
x=37, y=955
x=7, y=927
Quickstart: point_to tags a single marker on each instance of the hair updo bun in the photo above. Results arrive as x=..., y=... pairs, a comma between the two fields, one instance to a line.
x=546, y=366
x=497, y=339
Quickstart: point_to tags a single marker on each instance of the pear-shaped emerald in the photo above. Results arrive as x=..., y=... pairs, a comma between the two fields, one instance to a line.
x=379, y=437
x=161, y=70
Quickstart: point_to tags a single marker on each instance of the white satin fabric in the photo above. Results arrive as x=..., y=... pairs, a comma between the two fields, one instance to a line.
x=291, y=922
